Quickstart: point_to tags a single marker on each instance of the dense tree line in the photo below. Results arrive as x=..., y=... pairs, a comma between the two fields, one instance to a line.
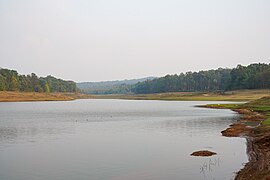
x=253, y=76
x=10, y=80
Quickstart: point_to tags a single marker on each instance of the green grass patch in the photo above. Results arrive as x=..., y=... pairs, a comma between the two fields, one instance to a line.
x=266, y=122
x=224, y=106
x=264, y=101
x=261, y=108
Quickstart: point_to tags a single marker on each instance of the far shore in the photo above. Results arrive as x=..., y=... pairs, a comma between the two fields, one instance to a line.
x=13, y=96
x=240, y=95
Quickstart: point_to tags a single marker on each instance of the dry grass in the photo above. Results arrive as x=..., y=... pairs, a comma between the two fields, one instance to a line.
x=10, y=96
x=241, y=95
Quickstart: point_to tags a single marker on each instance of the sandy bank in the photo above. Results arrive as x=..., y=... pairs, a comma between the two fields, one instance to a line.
x=10, y=96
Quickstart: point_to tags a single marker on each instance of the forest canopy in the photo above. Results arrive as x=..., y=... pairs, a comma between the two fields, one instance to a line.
x=10, y=80
x=253, y=76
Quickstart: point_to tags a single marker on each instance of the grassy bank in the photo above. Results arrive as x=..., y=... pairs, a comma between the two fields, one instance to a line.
x=261, y=105
x=11, y=96
x=241, y=95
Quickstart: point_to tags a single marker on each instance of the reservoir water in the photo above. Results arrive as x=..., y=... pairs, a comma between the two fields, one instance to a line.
x=116, y=140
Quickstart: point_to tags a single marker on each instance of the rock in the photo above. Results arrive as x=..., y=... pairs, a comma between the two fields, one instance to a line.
x=203, y=153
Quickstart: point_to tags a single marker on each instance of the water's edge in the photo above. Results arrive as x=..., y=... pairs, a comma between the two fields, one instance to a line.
x=258, y=149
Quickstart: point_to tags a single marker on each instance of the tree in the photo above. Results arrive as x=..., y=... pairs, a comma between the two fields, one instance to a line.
x=2, y=83
x=10, y=80
x=241, y=77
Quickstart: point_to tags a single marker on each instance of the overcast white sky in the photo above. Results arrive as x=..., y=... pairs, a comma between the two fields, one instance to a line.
x=93, y=40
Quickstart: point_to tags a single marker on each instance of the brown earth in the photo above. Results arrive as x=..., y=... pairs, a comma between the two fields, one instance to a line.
x=258, y=149
x=243, y=127
x=203, y=153
x=236, y=130
x=12, y=96
x=258, y=144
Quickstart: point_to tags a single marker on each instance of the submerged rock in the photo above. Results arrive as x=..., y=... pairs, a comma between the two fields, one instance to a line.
x=203, y=153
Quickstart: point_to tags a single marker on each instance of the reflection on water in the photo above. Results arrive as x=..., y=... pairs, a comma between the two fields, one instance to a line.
x=116, y=139
x=14, y=134
x=209, y=166
x=8, y=134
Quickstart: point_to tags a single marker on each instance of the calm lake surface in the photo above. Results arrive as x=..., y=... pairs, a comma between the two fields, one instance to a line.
x=116, y=140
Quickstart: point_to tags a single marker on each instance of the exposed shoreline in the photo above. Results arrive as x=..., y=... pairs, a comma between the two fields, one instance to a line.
x=257, y=135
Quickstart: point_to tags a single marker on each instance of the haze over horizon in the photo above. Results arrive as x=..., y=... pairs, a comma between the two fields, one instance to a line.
x=114, y=40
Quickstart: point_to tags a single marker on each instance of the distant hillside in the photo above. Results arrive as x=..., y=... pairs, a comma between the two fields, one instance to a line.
x=110, y=87
x=10, y=80
x=253, y=76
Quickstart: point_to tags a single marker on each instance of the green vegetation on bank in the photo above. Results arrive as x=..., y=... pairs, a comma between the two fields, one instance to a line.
x=261, y=105
x=267, y=121
x=10, y=80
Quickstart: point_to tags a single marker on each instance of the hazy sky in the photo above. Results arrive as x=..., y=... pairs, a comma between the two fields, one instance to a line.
x=93, y=40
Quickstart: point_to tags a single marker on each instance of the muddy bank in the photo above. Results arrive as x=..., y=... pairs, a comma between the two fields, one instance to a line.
x=248, y=121
x=258, y=144
x=258, y=149
x=258, y=141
